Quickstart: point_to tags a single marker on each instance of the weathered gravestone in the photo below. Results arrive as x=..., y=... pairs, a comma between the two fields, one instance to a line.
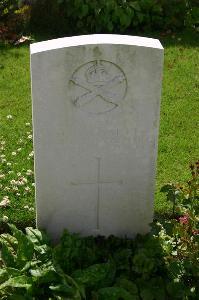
x=96, y=106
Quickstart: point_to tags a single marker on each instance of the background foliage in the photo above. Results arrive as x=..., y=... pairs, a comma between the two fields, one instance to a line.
x=66, y=17
x=14, y=19
x=113, y=15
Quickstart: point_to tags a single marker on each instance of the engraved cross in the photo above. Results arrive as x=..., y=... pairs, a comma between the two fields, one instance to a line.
x=99, y=182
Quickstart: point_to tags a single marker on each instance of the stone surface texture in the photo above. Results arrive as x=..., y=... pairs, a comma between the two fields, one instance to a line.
x=96, y=102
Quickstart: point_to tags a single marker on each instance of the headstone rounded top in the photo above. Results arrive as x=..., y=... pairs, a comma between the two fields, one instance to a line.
x=93, y=39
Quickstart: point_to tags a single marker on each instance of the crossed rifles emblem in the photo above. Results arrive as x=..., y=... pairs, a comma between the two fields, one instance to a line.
x=97, y=88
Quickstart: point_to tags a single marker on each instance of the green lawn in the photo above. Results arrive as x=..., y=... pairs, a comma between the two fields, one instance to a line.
x=178, y=138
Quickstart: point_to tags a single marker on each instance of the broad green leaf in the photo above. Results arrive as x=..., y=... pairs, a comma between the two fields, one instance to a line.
x=7, y=256
x=128, y=285
x=25, y=246
x=142, y=263
x=135, y=5
x=98, y=275
x=9, y=240
x=72, y=253
x=27, y=266
x=122, y=259
x=12, y=272
x=65, y=290
x=37, y=237
x=45, y=274
x=68, y=280
x=43, y=253
x=3, y=275
x=17, y=282
x=62, y=288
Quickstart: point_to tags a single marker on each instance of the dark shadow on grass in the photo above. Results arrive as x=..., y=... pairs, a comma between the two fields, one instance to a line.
x=7, y=50
x=186, y=38
x=19, y=224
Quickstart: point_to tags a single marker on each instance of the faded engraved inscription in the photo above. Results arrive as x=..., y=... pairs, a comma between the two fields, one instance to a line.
x=98, y=86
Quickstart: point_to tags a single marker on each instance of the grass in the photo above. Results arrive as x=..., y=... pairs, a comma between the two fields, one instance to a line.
x=179, y=122
x=15, y=101
x=178, y=137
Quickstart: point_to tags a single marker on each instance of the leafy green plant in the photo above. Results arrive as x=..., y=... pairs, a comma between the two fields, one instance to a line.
x=99, y=16
x=181, y=233
x=28, y=270
x=160, y=265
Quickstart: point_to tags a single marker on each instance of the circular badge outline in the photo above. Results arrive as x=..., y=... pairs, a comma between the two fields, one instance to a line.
x=106, y=61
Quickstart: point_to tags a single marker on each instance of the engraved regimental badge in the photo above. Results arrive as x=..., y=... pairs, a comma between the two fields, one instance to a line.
x=99, y=86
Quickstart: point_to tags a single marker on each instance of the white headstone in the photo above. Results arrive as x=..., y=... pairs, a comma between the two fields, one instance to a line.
x=96, y=101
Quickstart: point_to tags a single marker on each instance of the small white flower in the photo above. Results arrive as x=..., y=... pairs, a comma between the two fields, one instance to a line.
x=13, y=182
x=7, y=188
x=8, y=164
x=33, y=184
x=15, y=188
x=27, y=189
x=19, y=149
x=14, y=153
x=2, y=176
x=29, y=172
x=10, y=172
x=25, y=180
x=5, y=219
x=27, y=124
x=31, y=154
x=22, y=181
x=5, y=202
x=2, y=156
x=18, y=174
x=19, y=183
x=9, y=117
x=31, y=209
x=26, y=207
x=30, y=136
x=18, y=194
x=3, y=142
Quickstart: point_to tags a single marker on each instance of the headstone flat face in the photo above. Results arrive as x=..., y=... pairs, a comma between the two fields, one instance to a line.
x=95, y=115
